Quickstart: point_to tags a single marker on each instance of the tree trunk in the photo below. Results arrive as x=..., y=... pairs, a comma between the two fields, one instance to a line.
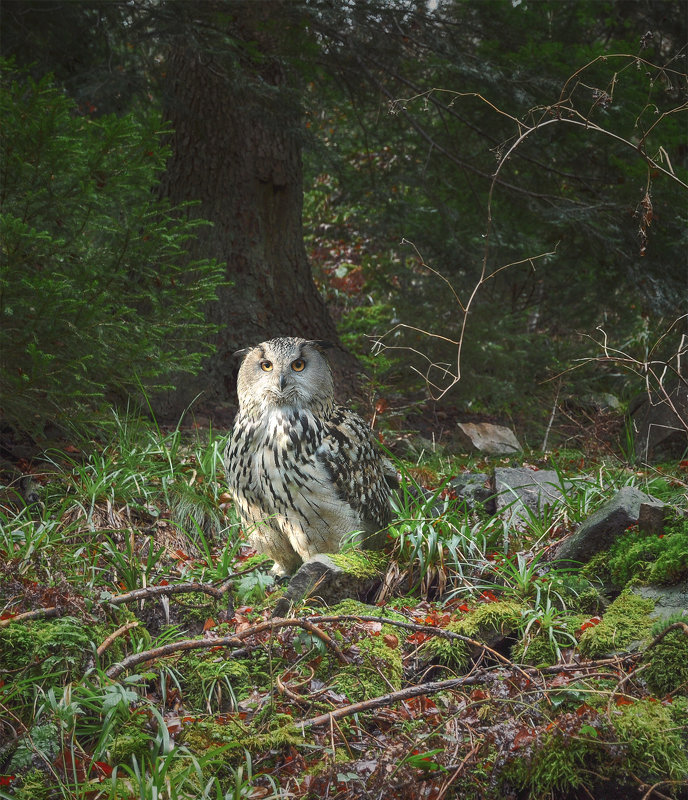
x=237, y=152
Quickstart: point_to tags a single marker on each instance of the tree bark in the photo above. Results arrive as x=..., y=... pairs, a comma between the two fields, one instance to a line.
x=237, y=152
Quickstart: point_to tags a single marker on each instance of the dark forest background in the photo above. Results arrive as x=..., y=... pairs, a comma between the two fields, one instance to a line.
x=491, y=190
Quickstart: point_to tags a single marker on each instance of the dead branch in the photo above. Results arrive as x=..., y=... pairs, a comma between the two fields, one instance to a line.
x=432, y=687
x=223, y=641
x=37, y=613
x=174, y=588
x=113, y=636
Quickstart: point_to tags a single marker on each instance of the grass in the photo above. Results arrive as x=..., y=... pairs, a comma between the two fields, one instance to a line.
x=147, y=508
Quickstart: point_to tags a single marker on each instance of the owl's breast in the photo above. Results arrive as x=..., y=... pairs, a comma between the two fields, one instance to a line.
x=274, y=460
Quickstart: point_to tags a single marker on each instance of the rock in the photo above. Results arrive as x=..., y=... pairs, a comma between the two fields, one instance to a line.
x=668, y=600
x=522, y=492
x=487, y=438
x=474, y=488
x=332, y=578
x=593, y=402
x=651, y=516
x=660, y=430
x=600, y=530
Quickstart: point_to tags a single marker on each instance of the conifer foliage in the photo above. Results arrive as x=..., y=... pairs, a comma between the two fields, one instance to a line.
x=95, y=295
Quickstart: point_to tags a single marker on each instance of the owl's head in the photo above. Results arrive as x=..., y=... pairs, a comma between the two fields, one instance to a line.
x=285, y=373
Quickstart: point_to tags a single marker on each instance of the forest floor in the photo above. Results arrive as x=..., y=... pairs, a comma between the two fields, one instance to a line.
x=139, y=657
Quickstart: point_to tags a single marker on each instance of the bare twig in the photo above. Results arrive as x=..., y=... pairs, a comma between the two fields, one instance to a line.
x=113, y=636
x=223, y=641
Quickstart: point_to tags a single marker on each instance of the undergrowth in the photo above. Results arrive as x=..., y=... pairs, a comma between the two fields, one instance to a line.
x=147, y=509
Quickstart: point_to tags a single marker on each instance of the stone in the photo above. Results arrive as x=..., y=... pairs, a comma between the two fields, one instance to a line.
x=474, y=488
x=669, y=600
x=522, y=493
x=601, y=530
x=659, y=426
x=331, y=578
x=651, y=516
x=485, y=437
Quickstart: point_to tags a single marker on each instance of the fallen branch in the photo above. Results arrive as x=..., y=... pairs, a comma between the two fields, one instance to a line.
x=224, y=641
x=218, y=592
x=433, y=687
x=674, y=626
x=113, y=636
x=173, y=588
x=37, y=613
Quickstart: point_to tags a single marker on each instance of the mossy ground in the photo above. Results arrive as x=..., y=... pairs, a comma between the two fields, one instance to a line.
x=376, y=666
x=626, y=621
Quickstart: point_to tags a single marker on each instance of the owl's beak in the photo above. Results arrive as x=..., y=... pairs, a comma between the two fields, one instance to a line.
x=282, y=382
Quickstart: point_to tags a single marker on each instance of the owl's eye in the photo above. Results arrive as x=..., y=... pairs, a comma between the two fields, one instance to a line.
x=298, y=365
x=266, y=366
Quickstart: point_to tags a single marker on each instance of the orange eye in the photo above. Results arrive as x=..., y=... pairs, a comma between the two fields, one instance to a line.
x=298, y=365
x=266, y=366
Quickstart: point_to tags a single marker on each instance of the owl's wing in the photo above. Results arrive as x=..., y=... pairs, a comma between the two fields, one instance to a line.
x=362, y=476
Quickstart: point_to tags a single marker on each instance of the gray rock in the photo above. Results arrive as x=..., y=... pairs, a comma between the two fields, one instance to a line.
x=668, y=600
x=659, y=426
x=487, y=438
x=331, y=582
x=651, y=516
x=522, y=493
x=593, y=402
x=600, y=530
x=475, y=489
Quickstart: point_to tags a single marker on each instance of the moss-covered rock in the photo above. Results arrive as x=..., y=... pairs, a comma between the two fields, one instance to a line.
x=655, y=741
x=660, y=559
x=132, y=740
x=213, y=681
x=626, y=621
x=486, y=623
x=563, y=757
x=233, y=737
x=667, y=670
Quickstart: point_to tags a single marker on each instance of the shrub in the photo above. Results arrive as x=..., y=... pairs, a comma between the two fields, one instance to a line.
x=95, y=293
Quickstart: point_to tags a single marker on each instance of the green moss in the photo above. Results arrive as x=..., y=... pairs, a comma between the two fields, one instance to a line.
x=656, y=744
x=363, y=564
x=17, y=645
x=561, y=760
x=538, y=651
x=650, y=558
x=502, y=618
x=377, y=668
x=195, y=609
x=233, y=737
x=668, y=664
x=626, y=621
x=211, y=679
x=35, y=785
x=132, y=740
x=597, y=569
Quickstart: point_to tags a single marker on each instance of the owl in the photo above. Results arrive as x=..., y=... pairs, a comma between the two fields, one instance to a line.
x=304, y=472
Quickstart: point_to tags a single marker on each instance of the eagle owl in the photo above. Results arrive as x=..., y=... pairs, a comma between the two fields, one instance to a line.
x=303, y=471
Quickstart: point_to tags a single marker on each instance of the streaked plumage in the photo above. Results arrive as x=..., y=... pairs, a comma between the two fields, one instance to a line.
x=303, y=471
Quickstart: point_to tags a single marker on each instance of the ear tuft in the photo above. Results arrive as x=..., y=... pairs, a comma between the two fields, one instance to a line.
x=322, y=344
